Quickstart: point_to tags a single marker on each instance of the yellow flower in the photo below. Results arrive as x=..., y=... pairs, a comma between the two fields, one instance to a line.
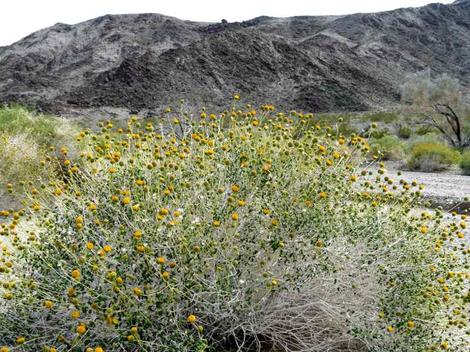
x=410, y=324
x=163, y=211
x=90, y=245
x=81, y=328
x=76, y=274
x=137, y=234
x=75, y=314
x=48, y=304
x=20, y=340
x=390, y=329
x=126, y=200
x=161, y=260
x=216, y=223
x=166, y=275
x=137, y=291
x=99, y=349
x=107, y=248
x=235, y=188
x=322, y=195
x=423, y=229
x=71, y=292
x=191, y=319
x=4, y=349
x=235, y=216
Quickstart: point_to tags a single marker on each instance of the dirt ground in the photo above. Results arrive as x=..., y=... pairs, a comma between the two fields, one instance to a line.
x=442, y=189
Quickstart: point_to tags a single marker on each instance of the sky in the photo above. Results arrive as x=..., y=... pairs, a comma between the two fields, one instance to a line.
x=18, y=18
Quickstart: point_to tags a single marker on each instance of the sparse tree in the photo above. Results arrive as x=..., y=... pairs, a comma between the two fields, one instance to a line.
x=441, y=104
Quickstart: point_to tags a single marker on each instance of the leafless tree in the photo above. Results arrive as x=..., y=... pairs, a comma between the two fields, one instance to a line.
x=441, y=103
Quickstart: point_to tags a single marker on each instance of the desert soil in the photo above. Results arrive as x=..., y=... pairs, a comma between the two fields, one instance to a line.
x=446, y=190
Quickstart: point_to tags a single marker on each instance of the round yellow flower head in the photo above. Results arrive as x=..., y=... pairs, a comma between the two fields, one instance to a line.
x=75, y=314
x=137, y=234
x=20, y=340
x=191, y=319
x=76, y=274
x=81, y=329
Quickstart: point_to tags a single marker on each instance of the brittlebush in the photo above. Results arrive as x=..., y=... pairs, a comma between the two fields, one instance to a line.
x=248, y=230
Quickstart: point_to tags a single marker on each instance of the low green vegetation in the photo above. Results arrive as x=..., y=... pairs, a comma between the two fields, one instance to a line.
x=244, y=230
x=25, y=140
x=465, y=162
x=431, y=157
x=389, y=147
x=405, y=132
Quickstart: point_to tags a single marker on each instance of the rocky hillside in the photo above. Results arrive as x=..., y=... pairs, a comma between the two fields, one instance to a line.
x=140, y=63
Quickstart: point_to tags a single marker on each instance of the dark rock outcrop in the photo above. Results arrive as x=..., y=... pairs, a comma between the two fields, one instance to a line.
x=144, y=62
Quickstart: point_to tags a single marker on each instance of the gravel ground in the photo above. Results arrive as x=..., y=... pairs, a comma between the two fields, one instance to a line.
x=446, y=190
x=440, y=185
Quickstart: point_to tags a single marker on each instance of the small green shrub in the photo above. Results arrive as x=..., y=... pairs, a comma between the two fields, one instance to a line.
x=405, y=132
x=378, y=134
x=424, y=130
x=430, y=157
x=389, y=147
x=465, y=162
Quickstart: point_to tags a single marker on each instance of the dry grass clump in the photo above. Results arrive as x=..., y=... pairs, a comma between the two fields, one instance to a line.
x=245, y=230
x=25, y=140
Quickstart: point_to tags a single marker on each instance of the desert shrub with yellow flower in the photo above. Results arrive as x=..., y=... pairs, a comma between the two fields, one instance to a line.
x=244, y=230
